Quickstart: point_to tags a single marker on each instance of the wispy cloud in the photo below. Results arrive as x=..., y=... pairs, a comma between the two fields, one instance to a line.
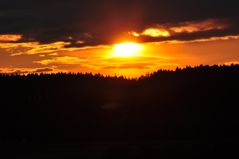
x=22, y=70
x=32, y=48
x=10, y=38
x=189, y=27
x=223, y=38
x=67, y=60
x=200, y=26
x=110, y=63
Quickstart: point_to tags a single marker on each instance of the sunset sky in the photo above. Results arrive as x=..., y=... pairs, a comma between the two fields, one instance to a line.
x=116, y=37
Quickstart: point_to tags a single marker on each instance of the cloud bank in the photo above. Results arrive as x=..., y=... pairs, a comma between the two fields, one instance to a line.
x=90, y=23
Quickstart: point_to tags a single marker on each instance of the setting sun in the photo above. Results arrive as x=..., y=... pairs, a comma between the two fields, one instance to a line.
x=128, y=49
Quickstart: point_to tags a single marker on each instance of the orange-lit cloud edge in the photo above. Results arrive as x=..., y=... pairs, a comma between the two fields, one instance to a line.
x=168, y=30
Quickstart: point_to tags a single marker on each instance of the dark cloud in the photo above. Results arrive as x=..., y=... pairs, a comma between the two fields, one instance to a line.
x=106, y=21
x=43, y=70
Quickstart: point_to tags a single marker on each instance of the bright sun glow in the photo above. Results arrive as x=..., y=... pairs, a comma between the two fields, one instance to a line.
x=128, y=49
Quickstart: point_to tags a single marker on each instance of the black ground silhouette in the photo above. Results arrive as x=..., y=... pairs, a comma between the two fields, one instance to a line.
x=187, y=113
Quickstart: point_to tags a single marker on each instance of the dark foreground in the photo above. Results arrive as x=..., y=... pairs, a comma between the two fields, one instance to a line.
x=190, y=113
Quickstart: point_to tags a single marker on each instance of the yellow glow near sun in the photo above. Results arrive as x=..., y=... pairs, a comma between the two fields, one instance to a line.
x=127, y=49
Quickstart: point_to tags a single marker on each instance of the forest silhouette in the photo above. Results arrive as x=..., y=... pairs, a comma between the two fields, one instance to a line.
x=189, y=113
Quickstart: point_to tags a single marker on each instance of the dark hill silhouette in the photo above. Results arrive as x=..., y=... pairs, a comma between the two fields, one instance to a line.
x=187, y=113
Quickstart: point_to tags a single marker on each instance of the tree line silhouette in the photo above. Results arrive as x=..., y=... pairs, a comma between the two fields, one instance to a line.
x=189, y=113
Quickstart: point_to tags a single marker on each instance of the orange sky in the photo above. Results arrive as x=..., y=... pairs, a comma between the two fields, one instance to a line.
x=54, y=57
